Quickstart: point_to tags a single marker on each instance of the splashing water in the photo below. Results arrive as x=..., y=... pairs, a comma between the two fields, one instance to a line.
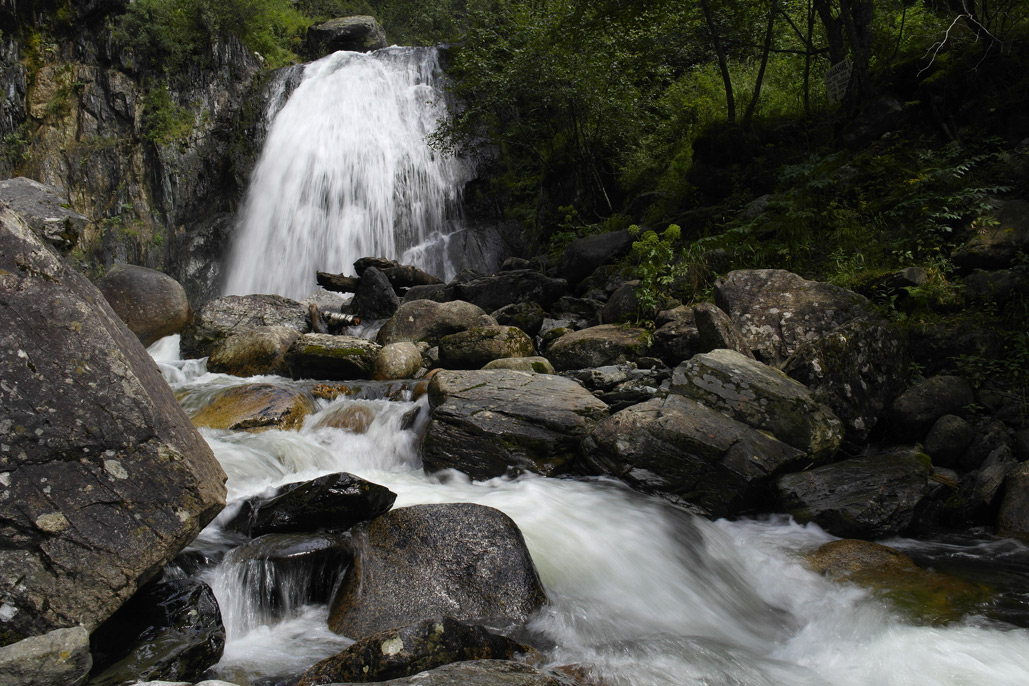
x=640, y=593
x=346, y=173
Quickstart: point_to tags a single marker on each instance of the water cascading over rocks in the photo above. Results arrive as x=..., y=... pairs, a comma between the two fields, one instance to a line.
x=347, y=172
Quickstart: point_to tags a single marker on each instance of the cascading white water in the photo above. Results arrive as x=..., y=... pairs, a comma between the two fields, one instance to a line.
x=641, y=593
x=346, y=172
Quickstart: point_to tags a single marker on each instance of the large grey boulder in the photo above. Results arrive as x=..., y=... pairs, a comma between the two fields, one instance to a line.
x=45, y=210
x=356, y=34
x=397, y=361
x=409, y=650
x=232, y=314
x=104, y=477
x=487, y=422
x=762, y=397
x=462, y=560
x=598, y=346
x=857, y=370
x=778, y=311
x=865, y=497
x=677, y=446
x=429, y=321
x=334, y=358
x=58, y=657
x=474, y=348
x=152, y=304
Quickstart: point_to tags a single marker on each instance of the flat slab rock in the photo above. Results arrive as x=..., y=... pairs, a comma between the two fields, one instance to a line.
x=460, y=560
x=486, y=422
x=104, y=478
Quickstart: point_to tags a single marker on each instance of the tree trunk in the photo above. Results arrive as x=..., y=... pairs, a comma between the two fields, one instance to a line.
x=723, y=64
x=748, y=116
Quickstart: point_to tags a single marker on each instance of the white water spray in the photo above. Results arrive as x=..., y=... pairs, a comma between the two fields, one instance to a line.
x=346, y=172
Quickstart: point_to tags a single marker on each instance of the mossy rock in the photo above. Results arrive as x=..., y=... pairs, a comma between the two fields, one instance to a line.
x=924, y=596
x=255, y=407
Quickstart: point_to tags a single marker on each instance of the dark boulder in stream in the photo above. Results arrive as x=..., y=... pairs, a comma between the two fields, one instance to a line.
x=487, y=422
x=104, y=476
x=460, y=560
x=334, y=502
x=411, y=649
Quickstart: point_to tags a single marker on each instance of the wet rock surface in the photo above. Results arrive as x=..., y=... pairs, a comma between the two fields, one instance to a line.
x=58, y=657
x=679, y=447
x=864, y=497
x=460, y=560
x=255, y=407
x=334, y=502
x=333, y=358
x=222, y=317
x=762, y=397
x=169, y=630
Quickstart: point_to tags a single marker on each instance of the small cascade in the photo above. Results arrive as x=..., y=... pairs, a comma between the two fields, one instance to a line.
x=346, y=172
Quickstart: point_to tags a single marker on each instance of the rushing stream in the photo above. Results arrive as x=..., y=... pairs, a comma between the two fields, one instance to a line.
x=639, y=591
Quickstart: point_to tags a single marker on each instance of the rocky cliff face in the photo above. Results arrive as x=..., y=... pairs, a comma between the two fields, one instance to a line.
x=77, y=115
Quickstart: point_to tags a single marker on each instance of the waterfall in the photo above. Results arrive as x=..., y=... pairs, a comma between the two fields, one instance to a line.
x=346, y=172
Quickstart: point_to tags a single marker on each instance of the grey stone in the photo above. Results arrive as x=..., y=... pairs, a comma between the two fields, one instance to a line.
x=778, y=311
x=429, y=321
x=397, y=361
x=462, y=560
x=865, y=497
x=334, y=358
x=485, y=423
x=762, y=397
x=916, y=409
x=677, y=446
x=60, y=656
x=474, y=348
x=104, y=477
x=153, y=305
x=477, y=673
x=597, y=346
x=947, y=440
x=249, y=352
x=231, y=314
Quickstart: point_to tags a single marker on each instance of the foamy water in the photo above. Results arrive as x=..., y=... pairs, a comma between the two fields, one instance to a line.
x=641, y=593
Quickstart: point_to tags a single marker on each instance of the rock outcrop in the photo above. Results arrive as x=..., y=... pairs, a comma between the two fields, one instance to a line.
x=104, y=477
